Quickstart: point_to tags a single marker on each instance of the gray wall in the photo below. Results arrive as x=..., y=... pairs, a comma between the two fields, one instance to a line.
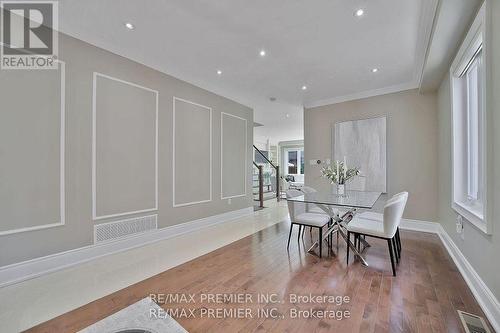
x=411, y=145
x=481, y=250
x=29, y=182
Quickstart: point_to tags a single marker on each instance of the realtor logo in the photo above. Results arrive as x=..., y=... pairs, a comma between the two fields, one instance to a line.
x=29, y=34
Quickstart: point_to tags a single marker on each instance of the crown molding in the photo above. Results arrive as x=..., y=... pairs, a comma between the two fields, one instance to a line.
x=363, y=94
x=427, y=26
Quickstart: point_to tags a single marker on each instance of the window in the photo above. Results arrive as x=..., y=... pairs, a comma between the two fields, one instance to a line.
x=474, y=110
x=294, y=160
x=468, y=91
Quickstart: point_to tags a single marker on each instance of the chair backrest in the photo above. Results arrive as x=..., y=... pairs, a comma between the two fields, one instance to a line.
x=403, y=194
x=295, y=208
x=306, y=190
x=393, y=212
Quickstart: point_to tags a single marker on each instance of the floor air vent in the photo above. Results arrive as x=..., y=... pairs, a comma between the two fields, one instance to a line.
x=473, y=323
x=117, y=229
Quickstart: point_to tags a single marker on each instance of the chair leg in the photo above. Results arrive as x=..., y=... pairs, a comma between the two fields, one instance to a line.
x=398, y=243
x=289, y=236
x=320, y=241
x=399, y=240
x=303, y=229
x=389, y=243
x=348, y=239
x=298, y=236
x=395, y=247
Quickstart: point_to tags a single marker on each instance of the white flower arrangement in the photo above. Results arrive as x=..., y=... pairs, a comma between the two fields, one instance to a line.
x=339, y=173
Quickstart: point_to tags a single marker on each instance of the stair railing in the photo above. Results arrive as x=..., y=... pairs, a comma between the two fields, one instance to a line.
x=261, y=184
x=275, y=167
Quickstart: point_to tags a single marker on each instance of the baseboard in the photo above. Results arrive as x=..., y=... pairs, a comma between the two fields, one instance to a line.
x=419, y=225
x=30, y=269
x=487, y=301
x=485, y=298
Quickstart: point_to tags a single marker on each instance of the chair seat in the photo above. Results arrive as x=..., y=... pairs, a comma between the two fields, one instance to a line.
x=312, y=219
x=368, y=226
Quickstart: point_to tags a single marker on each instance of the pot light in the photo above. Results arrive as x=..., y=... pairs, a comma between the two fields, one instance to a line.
x=374, y=70
x=360, y=12
x=304, y=87
x=287, y=115
x=219, y=72
x=129, y=26
x=262, y=53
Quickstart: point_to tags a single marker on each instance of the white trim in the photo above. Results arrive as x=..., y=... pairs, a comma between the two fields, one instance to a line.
x=62, y=162
x=483, y=295
x=487, y=301
x=419, y=225
x=94, y=148
x=30, y=269
x=221, y=152
x=363, y=94
x=427, y=26
x=173, y=153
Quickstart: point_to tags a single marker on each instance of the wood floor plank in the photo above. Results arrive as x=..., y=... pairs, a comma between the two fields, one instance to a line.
x=423, y=297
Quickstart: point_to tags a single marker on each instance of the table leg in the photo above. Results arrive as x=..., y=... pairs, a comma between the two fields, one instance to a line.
x=352, y=247
x=330, y=231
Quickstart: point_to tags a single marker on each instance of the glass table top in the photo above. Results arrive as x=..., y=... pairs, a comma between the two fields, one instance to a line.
x=352, y=199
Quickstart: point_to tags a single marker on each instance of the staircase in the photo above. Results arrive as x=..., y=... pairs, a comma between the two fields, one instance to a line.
x=266, y=179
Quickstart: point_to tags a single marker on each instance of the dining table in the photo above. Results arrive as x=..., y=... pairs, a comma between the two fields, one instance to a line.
x=341, y=208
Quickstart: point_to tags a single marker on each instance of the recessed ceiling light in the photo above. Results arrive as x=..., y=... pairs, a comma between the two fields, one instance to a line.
x=287, y=115
x=219, y=72
x=129, y=26
x=374, y=70
x=304, y=87
x=360, y=12
x=262, y=53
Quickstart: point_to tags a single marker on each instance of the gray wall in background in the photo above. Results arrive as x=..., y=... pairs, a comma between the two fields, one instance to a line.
x=125, y=150
x=412, y=154
x=34, y=123
x=233, y=159
x=481, y=250
x=30, y=152
x=193, y=153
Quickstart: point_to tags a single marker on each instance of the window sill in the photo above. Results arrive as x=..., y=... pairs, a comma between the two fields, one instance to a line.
x=472, y=215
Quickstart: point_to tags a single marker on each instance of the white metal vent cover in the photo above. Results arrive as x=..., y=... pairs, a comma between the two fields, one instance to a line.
x=473, y=323
x=117, y=229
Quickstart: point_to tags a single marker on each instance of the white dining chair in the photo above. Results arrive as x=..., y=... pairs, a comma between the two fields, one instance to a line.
x=379, y=218
x=299, y=216
x=311, y=208
x=393, y=212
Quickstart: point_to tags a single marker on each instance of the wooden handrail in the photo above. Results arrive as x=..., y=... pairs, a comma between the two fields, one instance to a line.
x=261, y=186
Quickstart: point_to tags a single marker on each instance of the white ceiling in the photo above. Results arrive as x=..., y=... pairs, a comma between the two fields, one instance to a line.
x=318, y=43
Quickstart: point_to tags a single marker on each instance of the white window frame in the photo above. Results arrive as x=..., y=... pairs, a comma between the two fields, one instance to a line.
x=300, y=152
x=472, y=206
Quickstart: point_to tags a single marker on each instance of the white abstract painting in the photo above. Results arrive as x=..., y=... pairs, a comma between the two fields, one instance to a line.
x=363, y=144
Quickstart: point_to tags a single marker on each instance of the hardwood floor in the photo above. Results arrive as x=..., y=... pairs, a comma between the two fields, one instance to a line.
x=423, y=297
